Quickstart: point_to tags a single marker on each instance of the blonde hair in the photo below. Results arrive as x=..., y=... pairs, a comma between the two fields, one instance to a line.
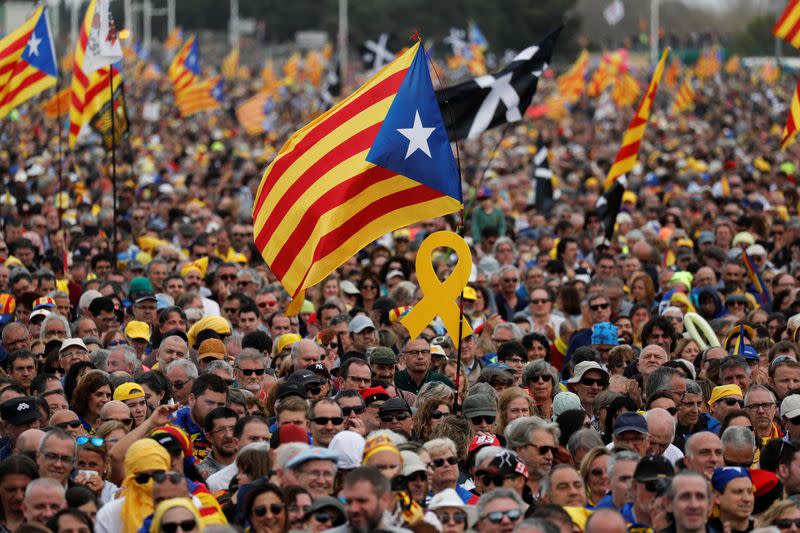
x=507, y=396
x=440, y=446
x=586, y=466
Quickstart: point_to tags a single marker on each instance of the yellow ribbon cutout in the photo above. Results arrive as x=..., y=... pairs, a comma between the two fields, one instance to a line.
x=440, y=297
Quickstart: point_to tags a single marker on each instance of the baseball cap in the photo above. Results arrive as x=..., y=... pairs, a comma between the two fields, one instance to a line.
x=724, y=391
x=630, y=422
x=652, y=467
x=565, y=401
x=360, y=323
x=790, y=406
x=392, y=405
x=141, y=289
x=44, y=303
x=67, y=343
x=412, y=463
x=286, y=340
x=18, y=411
x=138, y=330
x=350, y=447
x=211, y=349
x=311, y=454
x=39, y=315
x=291, y=389
x=469, y=293
x=395, y=273
x=507, y=463
x=348, y=287
x=381, y=355
x=303, y=377
x=128, y=391
x=8, y=305
x=320, y=370
x=374, y=394
x=705, y=237
x=749, y=353
x=583, y=367
x=479, y=405
x=480, y=441
x=291, y=433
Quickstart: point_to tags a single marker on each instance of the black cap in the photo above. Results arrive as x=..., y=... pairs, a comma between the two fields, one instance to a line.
x=18, y=411
x=291, y=389
x=320, y=370
x=303, y=377
x=652, y=467
x=392, y=405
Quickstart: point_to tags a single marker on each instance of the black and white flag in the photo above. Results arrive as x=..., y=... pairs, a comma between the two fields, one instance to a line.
x=376, y=54
x=472, y=107
x=610, y=203
x=543, y=176
x=331, y=86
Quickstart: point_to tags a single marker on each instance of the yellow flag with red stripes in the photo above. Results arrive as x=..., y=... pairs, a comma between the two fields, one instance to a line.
x=788, y=25
x=790, y=130
x=684, y=100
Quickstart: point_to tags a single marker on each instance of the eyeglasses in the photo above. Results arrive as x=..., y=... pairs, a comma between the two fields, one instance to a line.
x=231, y=309
x=176, y=478
x=544, y=450
x=758, y=406
x=117, y=343
x=56, y=458
x=786, y=523
x=672, y=410
x=123, y=421
x=544, y=378
x=144, y=477
x=251, y=371
x=323, y=420
x=510, y=280
x=74, y=424
x=477, y=420
x=497, y=516
x=228, y=277
x=436, y=415
x=359, y=410
x=603, y=382
x=492, y=479
x=96, y=441
x=415, y=353
x=396, y=417
x=274, y=509
x=597, y=307
x=540, y=301
x=440, y=462
x=178, y=384
x=368, y=287
x=222, y=430
x=184, y=525
x=417, y=476
x=458, y=517
x=730, y=402
x=293, y=508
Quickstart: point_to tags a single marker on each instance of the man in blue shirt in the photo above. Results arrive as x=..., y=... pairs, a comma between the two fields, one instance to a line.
x=209, y=391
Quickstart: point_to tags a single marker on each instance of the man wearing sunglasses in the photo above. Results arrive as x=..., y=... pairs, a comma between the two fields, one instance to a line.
x=536, y=442
x=326, y=421
x=724, y=399
x=499, y=511
x=599, y=311
x=395, y=414
x=650, y=478
x=588, y=380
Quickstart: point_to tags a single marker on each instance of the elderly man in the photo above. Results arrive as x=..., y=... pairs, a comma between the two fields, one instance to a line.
x=790, y=414
x=631, y=433
x=171, y=348
x=315, y=469
x=304, y=353
x=620, y=469
x=44, y=497
x=499, y=511
x=563, y=486
x=703, y=453
x=761, y=406
x=651, y=357
x=72, y=351
x=56, y=456
x=536, y=442
x=417, y=353
x=735, y=370
x=588, y=380
x=651, y=475
x=181, y=374
x=738, y=446
x=661, y=427
x=121, y=358
x=249, y=370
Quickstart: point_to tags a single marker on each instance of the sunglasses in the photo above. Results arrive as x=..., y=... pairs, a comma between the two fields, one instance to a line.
x=786, y=523
x=497, y=516
x=179, y=384
x=544, y=378
x=603, y=382
x=95, y=441
x=183, y=525
x=656, y=485
x=176, y=478
x=251, y=371
x=359, y=410
x=323, y=420
x=544, y=449
x=730, y=402
x=144, y=477
x=397, y=417
x=417, y=476
x=672, y=410
x=325, y=516
x=274, y=509
x=314, y=390
x=440, y=462
x=494, y=480
x=458, y=517
x=74, y=424
x=597, y=307
x=436, y=415
x=482, y=420
x=540, y=301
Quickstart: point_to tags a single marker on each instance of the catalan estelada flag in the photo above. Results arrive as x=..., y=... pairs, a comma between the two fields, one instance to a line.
x=253, y=113
x=790, y=130
x=230, y=64
x=90, y=89
x=572, y=82
x=684, y=100
x=28, y=63
x=202, y=96
x=761, y=292
x=185, y=66
x=377, y=161
x=174, y=39
x=615, y=183
x=788, y=26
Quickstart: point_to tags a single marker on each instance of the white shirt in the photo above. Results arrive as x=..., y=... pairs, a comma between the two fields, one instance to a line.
x=222, y=478
x=109, y=517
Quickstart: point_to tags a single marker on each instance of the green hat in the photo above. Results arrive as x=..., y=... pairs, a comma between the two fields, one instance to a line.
x=682, y=277
x=382, y=355
x=140, y=285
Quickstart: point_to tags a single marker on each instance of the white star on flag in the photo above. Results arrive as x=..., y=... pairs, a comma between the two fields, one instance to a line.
x=33, y=45
x=417, y=137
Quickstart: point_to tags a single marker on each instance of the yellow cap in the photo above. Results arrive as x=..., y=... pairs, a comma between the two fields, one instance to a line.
x=138, y=330
x=128, y=391
x=286, y=340
x=723, y=391
x=470, y=293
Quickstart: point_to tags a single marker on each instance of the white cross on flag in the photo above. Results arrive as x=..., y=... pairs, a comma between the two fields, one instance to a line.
x=102, y=47
x=377, y=54
x=472, y=107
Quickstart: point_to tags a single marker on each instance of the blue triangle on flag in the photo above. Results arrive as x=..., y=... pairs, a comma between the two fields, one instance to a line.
x=39, y=51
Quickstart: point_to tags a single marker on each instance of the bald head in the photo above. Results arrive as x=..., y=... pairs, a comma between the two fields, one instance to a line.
x=605, y=521
x=65, y=415
x=29, y=440
x=115, y=409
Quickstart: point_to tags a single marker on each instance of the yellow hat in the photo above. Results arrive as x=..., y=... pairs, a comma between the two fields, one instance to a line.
x=138, y=330
x=378, y=443
x=724, y=391
x=629, y=196
x=286, y=340
x=128, y=391
x=470, y=293
x=215, y=323
x=201, y=265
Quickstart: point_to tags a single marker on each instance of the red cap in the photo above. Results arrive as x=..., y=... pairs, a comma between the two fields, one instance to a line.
x=374, y=394
x=482, y=440
x=292, y=433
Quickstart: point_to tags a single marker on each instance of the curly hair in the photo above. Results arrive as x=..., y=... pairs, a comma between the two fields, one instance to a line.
x=88, y=385
x=423, y=420
x=456, y=428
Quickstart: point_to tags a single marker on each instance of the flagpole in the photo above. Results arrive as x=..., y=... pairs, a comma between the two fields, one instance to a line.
x=113, y=164
x=60, y=157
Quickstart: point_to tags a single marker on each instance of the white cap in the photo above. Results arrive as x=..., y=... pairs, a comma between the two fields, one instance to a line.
x=756, y=249
x=790, y=406
x=67, y=343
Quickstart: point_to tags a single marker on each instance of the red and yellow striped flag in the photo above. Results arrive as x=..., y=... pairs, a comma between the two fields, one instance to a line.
x=201, y=96
x=628, y=152
x=58, y=104
x=251, y=113
x=769, y=72
x=90, y=92
x=625, y=91
x=185, y=66
x=788, y=26
x=174, y=39
x=230, y=65
x=708, y=63
x=684, y=100
x=790, y=130
x=671, y=74
x=572, y=82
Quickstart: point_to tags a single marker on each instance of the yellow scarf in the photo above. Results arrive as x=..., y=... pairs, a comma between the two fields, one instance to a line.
x=144, y=455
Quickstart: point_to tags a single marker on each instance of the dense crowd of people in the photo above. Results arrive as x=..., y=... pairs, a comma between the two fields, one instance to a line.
x=154, y=383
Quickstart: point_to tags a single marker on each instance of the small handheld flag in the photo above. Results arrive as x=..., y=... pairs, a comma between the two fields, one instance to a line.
x=792, y=121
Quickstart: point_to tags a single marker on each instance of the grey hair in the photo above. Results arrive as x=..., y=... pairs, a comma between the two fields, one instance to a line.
x=249, y=354
x=538, y=368
x=437, y=446
x=45, y=483
x=738, y=437
x=11, y=326
x=518, y=433
x=50, y=318
x=233, y=341
x=258, y=447
x=660, y=379
x=545, y=487
x=692, y=387
x=538, y=525
x=73, y=329
x=515, y=330
x=733, y=362
x=128, y=353
x=288, y=451
x=506, y=268
x=58, y=433
x=754, y=388
x=254, y=276
x=187, y=365
x=485, y=453
x=100, y=358
x=498, y=494
x=583, y=439
x=57, y=294
x=618, y=457
x=433, y=390
x=295, y=349
x=219, y=365
x=503, y=240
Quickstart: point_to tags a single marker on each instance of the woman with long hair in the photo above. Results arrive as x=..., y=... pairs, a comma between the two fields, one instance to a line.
x=265, y=509
x=541, y=380
x=369, y=290
x=92, y=393
x=594, y=472
x=642, y=288
x=429, y=414
x=176, y=514
x=686, y=349
x=515, y=402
